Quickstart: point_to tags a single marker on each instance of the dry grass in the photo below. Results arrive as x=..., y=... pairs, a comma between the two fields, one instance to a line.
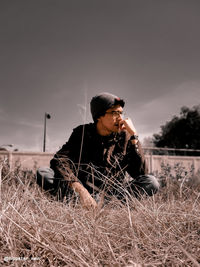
x=36, y=230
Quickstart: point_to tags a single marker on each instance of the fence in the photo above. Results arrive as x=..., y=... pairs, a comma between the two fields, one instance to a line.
x=171, y=151
x=172, y=157
x=33, y=160
x=27, y=160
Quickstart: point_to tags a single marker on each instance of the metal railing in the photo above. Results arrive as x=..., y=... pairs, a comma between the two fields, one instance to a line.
x=171, y=151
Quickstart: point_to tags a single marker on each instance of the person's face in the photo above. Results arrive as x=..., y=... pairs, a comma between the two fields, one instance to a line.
x=112, y=120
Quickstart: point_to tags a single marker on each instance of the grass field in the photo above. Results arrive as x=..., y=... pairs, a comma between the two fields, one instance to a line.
x=36, y=230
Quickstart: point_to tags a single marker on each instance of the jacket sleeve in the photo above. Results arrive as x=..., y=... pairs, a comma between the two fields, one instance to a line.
x=136, y=160
x=66, y=159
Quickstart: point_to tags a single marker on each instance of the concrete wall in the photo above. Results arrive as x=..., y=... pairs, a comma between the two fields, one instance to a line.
x=27, y=160
x=33, y=160
x=189, y=164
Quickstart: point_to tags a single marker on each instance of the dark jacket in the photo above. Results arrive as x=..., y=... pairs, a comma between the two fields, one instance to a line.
x=97, y=161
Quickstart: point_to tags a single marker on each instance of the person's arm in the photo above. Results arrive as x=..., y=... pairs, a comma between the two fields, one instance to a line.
x=135, y=155
x=65, y=169
x=64, y=162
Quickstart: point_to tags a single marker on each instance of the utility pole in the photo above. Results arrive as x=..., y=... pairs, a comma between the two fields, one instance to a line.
x=46, y=116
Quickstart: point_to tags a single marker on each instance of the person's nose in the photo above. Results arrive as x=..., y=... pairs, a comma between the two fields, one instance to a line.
x=120, y=117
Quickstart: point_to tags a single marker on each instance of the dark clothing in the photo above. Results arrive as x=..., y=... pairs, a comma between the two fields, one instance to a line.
x=98, y=162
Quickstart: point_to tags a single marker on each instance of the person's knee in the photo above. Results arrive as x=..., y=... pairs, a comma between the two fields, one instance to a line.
x=152, y=185
x=149, y=184
x=45, y=177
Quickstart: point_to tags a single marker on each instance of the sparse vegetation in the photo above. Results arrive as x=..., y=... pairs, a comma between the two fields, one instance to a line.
x=36, y=230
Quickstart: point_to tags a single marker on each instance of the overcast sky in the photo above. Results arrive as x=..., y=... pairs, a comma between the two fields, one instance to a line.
x=55, y=55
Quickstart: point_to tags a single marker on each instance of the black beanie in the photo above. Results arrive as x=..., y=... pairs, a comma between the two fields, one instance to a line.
x=102, y=102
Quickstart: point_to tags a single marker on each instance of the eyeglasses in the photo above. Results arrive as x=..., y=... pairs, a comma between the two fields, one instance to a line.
x=115, y=113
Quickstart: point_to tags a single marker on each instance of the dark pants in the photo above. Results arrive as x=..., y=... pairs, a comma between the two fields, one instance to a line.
x=144, y=184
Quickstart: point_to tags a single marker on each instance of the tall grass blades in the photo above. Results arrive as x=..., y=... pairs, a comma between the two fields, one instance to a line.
x=37, y=230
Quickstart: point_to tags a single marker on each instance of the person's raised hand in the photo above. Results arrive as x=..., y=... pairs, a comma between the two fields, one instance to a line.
x=127, y=124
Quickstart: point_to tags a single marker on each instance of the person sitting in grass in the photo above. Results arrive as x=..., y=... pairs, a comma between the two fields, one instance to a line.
x=101, y=158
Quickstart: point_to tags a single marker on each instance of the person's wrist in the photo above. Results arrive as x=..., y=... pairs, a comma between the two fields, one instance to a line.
x=134, y=137
x=134, y=142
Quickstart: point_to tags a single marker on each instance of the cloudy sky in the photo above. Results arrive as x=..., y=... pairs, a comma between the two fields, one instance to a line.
x=56, y=54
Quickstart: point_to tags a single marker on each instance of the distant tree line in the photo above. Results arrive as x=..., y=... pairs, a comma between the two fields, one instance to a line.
x=182, y=132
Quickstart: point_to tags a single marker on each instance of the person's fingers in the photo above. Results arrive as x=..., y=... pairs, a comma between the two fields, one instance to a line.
x=128, y=124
